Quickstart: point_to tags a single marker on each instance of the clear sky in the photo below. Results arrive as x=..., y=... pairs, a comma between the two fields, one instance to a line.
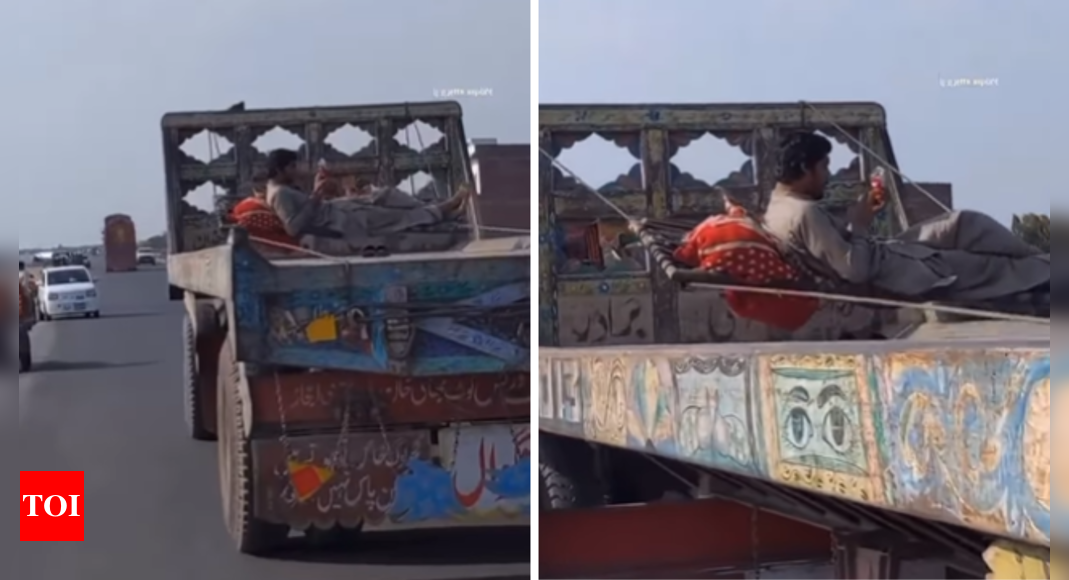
x=997, y=145
x=86, y=82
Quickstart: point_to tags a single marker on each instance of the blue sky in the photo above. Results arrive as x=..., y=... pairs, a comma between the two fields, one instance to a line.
x=92, y=78
x=997, y=145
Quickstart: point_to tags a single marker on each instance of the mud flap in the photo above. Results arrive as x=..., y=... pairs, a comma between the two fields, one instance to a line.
x=203, y=336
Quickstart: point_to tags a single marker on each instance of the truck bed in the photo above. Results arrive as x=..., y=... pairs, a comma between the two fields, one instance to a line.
x=950, y=426
x=457, y=312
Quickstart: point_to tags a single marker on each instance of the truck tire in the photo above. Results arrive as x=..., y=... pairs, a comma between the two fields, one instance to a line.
x=25, y=352
x=236, y=476
x=568, y=476
x=338, y=538
x=191, y=396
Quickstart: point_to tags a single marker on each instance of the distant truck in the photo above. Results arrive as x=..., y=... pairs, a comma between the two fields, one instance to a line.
x=120, y=244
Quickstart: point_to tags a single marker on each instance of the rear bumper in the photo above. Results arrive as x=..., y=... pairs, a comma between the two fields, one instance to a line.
x=68, y=309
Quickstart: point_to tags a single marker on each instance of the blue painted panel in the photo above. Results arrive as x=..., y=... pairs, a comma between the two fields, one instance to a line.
x=965, y=430
x=959, y=435
x=449, y=316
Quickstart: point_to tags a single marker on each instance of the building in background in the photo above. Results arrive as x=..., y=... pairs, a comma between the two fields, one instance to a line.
x=502, y=174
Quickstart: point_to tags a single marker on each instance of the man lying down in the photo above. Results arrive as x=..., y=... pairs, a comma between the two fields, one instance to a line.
x=357, y=222
x=963, y=256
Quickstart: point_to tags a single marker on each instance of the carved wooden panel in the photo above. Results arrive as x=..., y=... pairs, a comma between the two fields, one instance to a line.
x=677, y=161
x=418, y=147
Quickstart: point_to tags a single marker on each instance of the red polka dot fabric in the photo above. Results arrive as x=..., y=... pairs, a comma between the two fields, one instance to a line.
x=736, y=246
x=261, y=221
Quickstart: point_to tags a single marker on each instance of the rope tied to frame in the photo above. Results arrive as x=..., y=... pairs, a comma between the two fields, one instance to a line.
x=635, y=224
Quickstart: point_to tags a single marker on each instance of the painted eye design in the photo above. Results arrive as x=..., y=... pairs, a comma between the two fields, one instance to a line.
x=837, y=429
x=799, y=428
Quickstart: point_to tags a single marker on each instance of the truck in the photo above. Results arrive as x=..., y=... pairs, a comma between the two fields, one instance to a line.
x=679, y=439
x=120, y=243
x=350, y=394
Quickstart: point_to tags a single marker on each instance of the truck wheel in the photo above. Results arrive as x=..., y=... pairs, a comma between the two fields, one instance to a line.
x=191, y=397
x=568, y=476
x=25, y=352
x=236, y=479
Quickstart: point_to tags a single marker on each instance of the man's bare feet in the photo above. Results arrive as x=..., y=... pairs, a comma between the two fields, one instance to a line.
x=452, y=206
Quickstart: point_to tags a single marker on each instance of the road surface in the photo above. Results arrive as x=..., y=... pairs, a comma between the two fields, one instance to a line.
x=105, y=399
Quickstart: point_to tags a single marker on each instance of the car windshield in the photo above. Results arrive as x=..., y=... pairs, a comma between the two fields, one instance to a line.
x=64, y=277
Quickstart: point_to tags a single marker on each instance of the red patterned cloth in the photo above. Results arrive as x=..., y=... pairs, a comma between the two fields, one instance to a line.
x=261, y=221
x=735, y=245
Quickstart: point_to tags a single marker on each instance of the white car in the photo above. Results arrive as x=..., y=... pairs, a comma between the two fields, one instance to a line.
x=147, y=258
x=67, y=291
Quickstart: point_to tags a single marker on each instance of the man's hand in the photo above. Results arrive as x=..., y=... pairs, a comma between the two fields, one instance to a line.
x=326, y=187
x=862, y=214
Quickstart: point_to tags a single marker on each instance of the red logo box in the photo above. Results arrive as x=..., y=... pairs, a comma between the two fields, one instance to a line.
x=52, y=504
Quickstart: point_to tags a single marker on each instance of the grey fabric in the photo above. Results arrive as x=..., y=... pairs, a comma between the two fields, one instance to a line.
x=966, y=255
x=357, y=222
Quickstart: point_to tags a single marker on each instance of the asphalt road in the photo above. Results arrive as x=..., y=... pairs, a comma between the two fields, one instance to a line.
x=105, y=399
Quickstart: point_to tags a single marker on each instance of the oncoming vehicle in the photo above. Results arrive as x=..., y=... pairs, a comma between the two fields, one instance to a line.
x=146, y=258
x=66, y=292
x=61, y=259
x=80, y=259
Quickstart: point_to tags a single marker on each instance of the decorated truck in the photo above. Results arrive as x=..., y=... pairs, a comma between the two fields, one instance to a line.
x=879, y=439
x=350, y=393
x=120, y=244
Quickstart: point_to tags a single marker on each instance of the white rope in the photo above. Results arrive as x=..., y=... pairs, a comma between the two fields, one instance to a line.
x=806, y=293
x=863, y=147
x=473, y=214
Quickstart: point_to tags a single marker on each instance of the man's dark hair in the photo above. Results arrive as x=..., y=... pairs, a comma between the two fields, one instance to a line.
x=279, y=160
x=799, y=153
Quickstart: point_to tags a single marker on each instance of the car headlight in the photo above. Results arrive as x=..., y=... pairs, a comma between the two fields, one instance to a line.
x=91, y=294
x=53, y=297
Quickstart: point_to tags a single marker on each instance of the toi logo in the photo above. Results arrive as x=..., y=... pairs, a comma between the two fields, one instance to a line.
x=52, y=503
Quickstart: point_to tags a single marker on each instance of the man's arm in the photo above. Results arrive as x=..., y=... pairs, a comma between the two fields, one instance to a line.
x=851, y=257
x=295, y=209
